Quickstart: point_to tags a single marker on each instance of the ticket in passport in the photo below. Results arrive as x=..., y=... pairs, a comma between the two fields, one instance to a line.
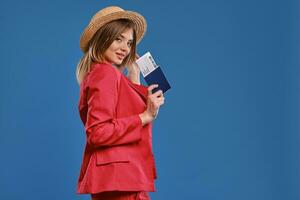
x=152, y=73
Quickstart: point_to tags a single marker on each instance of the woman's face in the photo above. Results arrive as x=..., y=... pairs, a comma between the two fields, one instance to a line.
x=120, y=48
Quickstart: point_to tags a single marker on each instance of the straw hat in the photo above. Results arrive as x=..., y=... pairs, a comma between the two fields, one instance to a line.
x=109, y=14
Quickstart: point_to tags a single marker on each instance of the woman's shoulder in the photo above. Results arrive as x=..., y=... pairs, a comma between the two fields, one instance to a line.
x=102, y=72
x=104, y=68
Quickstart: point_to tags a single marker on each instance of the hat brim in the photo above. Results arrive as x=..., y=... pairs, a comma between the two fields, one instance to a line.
x=95, y=24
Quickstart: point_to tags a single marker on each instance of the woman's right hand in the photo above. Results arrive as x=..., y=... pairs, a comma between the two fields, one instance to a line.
x=154, y=101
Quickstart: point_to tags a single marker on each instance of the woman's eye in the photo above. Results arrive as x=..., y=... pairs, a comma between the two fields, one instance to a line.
x=118, y=39
x=129, y=44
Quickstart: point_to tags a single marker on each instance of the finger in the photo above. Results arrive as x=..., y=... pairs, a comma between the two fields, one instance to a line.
x=158, y=93
x=161, y=100
x=158, y=99
x=160, y=103
x=151, y=87
x=137, y=56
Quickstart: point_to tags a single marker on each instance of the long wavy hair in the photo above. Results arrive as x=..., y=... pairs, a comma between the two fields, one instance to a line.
x=102, y=39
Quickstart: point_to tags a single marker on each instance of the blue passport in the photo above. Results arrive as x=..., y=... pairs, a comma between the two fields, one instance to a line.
x=152, y=73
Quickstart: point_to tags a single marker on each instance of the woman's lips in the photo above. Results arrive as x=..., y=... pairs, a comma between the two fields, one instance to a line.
x=120, y=56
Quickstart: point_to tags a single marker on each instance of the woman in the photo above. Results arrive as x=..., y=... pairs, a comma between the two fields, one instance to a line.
x=116, y=110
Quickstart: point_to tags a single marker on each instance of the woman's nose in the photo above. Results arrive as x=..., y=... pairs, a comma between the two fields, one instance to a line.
x=125, y=47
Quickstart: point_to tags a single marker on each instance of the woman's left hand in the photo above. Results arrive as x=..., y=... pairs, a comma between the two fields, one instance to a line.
x=134, y=72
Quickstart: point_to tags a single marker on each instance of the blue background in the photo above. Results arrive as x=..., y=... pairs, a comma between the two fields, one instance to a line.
x=229, y=128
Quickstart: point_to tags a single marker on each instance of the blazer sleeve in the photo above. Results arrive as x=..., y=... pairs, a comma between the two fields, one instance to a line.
x=102, y=127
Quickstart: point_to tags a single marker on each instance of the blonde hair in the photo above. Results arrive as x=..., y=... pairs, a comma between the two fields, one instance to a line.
x=102, y=39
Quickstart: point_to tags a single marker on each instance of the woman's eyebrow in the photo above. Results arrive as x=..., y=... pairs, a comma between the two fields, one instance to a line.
x=125, y=37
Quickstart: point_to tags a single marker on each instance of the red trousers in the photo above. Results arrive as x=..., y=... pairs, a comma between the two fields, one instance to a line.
x=121, y=195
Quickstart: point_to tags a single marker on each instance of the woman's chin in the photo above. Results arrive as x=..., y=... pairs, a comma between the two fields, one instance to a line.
x=118, y=62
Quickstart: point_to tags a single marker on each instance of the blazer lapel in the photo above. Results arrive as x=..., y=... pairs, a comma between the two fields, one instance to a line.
x=142, y=90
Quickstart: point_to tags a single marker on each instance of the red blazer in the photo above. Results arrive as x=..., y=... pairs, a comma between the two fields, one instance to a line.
x=118, y=153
